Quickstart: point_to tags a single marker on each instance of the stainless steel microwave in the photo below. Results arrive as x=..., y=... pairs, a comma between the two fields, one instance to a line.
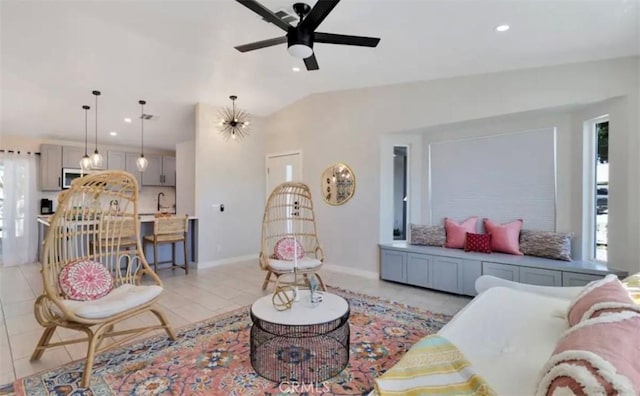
x=69, y=175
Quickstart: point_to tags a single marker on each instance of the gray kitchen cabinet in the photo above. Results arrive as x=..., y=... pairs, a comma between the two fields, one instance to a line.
x=419, y=270
x=160, y=172
x=50, y=167
x=169, y=171
x=446, y=274
x=393, y=266
x=540, y=277
x=576, y=279
x=116, y=160
x=504, y=271
x=152, y=176
x=71, y=156
x=130, y=166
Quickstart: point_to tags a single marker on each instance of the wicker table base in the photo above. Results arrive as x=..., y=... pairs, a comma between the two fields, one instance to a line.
x=305, y=353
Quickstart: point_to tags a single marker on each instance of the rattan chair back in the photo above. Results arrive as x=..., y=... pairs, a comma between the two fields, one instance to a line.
x=289, y=213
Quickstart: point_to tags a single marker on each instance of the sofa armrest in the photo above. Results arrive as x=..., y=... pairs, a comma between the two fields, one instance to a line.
x=486, y=282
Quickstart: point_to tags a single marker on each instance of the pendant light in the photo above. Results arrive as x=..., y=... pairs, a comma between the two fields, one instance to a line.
x=141, y=162
x=85, y=162
x=97, y=160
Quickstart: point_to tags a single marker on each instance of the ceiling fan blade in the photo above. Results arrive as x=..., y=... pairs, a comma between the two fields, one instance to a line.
x=261, y=44
x=311, y=63
x=317, y=14
x=264, y=12
x=330, y=38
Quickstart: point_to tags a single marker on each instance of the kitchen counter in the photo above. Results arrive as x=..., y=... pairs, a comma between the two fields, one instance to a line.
x=146, y=228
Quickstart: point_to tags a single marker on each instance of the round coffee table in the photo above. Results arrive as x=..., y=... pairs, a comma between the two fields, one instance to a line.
x=306, y=344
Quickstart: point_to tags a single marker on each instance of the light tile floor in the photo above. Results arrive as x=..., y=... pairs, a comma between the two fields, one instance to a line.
x=186, y=299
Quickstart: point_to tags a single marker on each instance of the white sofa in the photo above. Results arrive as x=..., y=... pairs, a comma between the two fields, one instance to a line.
x=509, y=331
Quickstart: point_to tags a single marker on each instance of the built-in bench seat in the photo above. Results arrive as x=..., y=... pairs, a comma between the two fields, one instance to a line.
x=455, y=271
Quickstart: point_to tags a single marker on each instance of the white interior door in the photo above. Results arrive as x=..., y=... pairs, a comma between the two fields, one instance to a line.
x=283, y=168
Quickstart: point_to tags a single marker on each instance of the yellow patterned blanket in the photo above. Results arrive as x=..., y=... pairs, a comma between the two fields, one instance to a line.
x=433, y=366
x=632, y=284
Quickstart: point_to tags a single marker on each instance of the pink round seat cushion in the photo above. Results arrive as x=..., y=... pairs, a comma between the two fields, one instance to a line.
x=85, y=280
x=288, y=248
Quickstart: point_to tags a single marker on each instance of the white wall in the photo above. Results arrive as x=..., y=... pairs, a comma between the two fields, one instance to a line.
x=186, y=177
x=352, y=126
x=230, y=173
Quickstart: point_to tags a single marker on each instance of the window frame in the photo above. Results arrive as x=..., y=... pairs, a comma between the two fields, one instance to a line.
x=590, y=189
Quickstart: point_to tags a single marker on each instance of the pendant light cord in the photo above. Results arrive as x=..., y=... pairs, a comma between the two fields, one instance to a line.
x=86, y=123
x=142, y=130
x=96, y=148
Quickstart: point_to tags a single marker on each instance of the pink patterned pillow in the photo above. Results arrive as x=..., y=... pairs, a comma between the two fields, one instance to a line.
x=478, y=243
x=286, y=249
x=599, y=356
x=606, y=294
x=85, y=280
x=457, y=233
x=505, y=238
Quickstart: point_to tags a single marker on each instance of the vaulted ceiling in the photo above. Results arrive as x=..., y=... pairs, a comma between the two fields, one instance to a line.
x=177, y=53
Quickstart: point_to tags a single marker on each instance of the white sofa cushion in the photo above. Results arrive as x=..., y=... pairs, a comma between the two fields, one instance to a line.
x=284, y=265
x=118, y=300
x=508, y=336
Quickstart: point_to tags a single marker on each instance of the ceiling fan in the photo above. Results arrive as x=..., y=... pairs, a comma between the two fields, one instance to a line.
x=300, y=38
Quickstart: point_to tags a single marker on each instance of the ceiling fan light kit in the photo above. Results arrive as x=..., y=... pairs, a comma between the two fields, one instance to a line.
x=300, y=38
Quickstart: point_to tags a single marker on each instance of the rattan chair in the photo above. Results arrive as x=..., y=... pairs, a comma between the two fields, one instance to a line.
x=289, y=214
x=169, y=230
x=85, y=228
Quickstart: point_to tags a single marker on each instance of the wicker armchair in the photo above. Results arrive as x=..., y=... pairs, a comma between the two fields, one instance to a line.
x=86, y=228
x=289, y=214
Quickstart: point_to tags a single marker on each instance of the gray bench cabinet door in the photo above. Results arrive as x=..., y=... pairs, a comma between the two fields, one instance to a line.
x=504, y=271
x=393, y=265
x=419, y=270
x=471, y=270
x=447, y=274
x=540, y=277
x=576, y=279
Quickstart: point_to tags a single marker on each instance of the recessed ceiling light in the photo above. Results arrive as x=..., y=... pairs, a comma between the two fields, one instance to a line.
x=295, y=69
x=127, y=119
x=113, y=133
x=502, y=28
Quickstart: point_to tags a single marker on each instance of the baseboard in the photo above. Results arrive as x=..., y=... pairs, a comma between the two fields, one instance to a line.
x=229, y=260
x=351, y=271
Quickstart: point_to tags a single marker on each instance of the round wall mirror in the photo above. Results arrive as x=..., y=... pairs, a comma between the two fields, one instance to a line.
x=338, y=184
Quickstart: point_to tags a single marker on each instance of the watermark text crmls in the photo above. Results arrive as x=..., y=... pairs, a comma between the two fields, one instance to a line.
x=299, y=387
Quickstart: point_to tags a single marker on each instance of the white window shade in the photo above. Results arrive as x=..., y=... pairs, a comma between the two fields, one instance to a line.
x=503, y=178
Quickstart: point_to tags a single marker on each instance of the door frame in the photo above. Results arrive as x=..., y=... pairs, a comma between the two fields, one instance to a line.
x=266, y=167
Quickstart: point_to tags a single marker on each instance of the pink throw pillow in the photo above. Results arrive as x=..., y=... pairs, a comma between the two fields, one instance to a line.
x=599, y=356
x=505, y=238
x=457, y=233
x=85, y=280
x=607, y=294
x=286, y=249
x=478, y=243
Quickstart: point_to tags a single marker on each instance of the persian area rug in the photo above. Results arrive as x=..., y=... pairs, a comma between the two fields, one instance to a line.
x=212, y=358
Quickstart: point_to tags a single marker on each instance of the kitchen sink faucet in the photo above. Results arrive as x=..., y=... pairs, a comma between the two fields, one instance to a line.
x=159, y=194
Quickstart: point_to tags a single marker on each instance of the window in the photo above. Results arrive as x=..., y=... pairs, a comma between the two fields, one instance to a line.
x=599, y=209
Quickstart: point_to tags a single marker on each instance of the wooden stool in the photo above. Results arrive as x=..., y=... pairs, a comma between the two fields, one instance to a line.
x=169, y=230
x=115, y=236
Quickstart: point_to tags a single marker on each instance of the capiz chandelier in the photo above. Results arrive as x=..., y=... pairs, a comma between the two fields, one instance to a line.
x=234, y=123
